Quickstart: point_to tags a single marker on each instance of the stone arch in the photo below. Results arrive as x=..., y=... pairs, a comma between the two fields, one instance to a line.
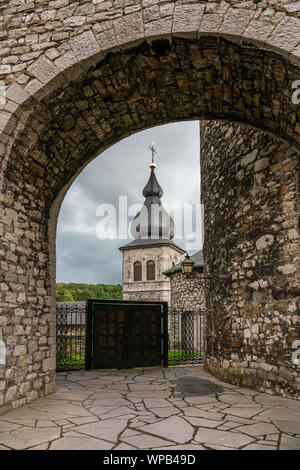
x=97, y=83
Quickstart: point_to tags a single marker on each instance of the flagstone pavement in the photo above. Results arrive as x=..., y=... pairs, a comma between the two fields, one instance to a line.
x=163, y=409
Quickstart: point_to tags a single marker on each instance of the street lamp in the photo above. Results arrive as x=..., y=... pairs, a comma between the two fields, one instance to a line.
x=187, y=266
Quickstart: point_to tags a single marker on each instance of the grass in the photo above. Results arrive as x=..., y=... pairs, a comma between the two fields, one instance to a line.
x=77, y=360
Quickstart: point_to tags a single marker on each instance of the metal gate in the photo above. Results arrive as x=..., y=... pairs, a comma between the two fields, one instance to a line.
x=70, y=335
x=112, y=334
x=187, y=336
x=126, y=334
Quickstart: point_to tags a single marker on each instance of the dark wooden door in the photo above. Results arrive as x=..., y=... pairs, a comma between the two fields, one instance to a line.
x=127, y=334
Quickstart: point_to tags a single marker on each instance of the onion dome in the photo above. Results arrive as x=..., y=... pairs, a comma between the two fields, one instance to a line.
x=152, y=221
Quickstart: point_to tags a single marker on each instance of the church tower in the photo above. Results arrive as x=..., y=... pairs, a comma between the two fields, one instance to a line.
x=152, y=251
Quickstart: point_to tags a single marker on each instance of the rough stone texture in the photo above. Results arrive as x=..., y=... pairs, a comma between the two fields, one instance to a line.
x=251, y=246
x=188, y=293
x=79, y=417
x=89, y=74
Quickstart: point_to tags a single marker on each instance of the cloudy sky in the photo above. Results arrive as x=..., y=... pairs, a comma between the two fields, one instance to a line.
x=123, y=170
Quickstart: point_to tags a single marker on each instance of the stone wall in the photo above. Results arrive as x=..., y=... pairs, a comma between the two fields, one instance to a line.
x=79, y=76
x=251, y=247
x=188, y=293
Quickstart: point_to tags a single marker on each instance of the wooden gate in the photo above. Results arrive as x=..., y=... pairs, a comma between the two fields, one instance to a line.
x=126, y=334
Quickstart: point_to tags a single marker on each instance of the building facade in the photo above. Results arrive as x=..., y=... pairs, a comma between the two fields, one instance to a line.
x=152, y=251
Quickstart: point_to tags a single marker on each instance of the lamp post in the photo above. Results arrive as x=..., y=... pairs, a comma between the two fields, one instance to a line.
x=187, y=266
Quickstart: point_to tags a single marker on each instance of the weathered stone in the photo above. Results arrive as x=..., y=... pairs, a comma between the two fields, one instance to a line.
x=84, y=45
x=153, y=83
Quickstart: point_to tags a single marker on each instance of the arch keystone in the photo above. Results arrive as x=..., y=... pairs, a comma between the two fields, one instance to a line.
x=129, y=28
x=187, y=19
x=158, y=29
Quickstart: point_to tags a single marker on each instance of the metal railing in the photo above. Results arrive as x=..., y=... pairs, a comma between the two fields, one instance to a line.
x=186, y=337
x=70, y=335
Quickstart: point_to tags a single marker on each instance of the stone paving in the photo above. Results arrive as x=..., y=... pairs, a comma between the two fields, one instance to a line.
x=168, y=409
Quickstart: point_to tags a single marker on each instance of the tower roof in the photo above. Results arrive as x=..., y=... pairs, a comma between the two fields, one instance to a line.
x=153, y=188
x=152, y=221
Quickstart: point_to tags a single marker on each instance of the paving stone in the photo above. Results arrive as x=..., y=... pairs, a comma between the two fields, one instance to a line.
x=265, y=399
x=217, y=447
x=289, y=443
x=145, y=441
x=200, y=400
x=248, y=411
x=214, y=436
x=28, y=437
x=149, y=394
x=40, y=447
x=281, y=413
x=110, y=402
x=124, y=446
x=119, y=411
x=44, y=424
x=129, y=418
x=108, y=429
x=174, y=428
x=268, y=443
x=258, y=429
x=258, y=447
x=193, y=447
x=165, y=412
x=7, y=427
x=84, y=420
x=145, y=387
x=206, y=423
x=192, y=411
x=129, y=433
x=80, y=443
x=156, y=403
x=292, y=427
x=236, y=398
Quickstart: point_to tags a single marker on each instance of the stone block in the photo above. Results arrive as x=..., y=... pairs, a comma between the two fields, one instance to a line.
x=84, y=45
x=129, y=28
x=187, y=19
x=43, y=69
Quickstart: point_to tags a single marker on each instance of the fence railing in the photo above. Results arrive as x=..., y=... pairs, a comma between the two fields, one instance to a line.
x=70, y=335
x=186, y=336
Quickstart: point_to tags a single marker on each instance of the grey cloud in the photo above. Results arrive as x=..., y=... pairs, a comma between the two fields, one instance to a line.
x=123, y=169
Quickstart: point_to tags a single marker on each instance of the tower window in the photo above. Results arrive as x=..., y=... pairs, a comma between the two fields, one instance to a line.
x=137, y=271
x=150, y=271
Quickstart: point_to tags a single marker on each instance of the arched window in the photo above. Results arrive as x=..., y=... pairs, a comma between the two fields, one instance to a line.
x=150, y=271
x=137, y=271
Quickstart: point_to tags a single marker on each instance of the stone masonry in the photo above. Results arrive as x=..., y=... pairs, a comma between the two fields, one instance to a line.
x=159, y=289
x=76, y=77
x=188, y=294
x=251, y=204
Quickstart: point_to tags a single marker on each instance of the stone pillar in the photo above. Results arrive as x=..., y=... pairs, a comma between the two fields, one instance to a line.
x=27, y=323
x=250, y=193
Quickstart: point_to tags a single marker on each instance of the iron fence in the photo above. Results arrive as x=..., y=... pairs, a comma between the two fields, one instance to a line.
x=186, y=337
x=70, y=335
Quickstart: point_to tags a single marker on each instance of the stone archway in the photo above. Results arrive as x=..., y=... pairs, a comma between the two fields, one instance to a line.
x=106, y=74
